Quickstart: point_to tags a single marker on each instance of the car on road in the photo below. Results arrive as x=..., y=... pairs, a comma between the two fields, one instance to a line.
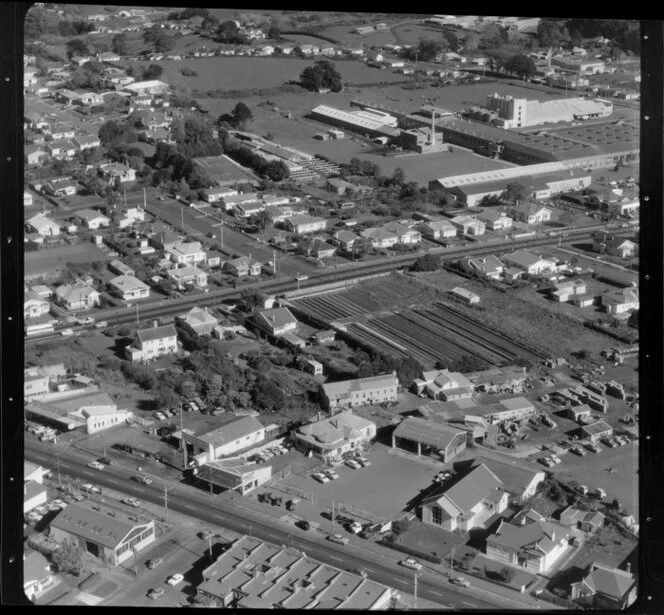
x=460, y=581
x=95, y=465
x=331, y=474
x=102, y=324
x=67, y=332
x=303, y=524
x=321, y=478
x=106, y=461
x=145, y=480
x=338, y=538
x=174, y=579
x=353, y=463
x=90, y=488
x=411, y=562
x=153, y=594
x=132, y=501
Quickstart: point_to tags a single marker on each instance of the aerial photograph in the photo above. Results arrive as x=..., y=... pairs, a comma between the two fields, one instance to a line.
x=332, y=310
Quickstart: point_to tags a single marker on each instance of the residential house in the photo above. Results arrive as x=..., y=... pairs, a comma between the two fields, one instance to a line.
x=43, y=225
x=77, y=297
x=437, y=229
x=446, y=440
x=233, y=199
x=34, y=306
x=362, y=391
x=607, y=243
x=93, y=219
x=606, y=588
x=129, y=288
x=313, y=367
x=37, y=575
x=486, y=266
x=565, y=291
x=34, y=154
x=406, y=235
x=495, y=220
x=279, y=213
x=152, y=343
x=317, y=248
x=301, y=225
x=127, y=217
x=198, y=321
x=61, y=131
x=188, y=275
x=214, y=195
x=331, y=437
x=84, y=141
x=111, y=535
x=117, y=266
x=340, y=186
x=531, y=264
x=535, y=545
x=212, y=258
x=380, y=238
x=163, y=240
x=61, y=148
x=620, y=302
x=532, y=213
x=236, y=433
x=520, y=481
x=185, y=252
x=586, y=521
x=117, y=173
x=108, y=56
x=35, y=383
x=275, y=321
x=67, y=188
x=469, y=225
x=467, y=504
x=444, y=385
x=324, y=337
x=345, y=240
x=243, y=266
x=244, y=210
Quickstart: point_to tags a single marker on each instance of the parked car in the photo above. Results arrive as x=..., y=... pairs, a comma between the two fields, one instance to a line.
x=140, y=478
x=106, y=461
x=321, y=478
x=411, y=562
x=153, y=594
x=331, y=474
x=583, y=489
x=338, y=538
x=555, y=459
x=600, y=493
x=95, y=465
x=153, y=563
x=579, y=451
x=174, y=579
x=132, y=502
x=363, y=461
x=303, y=524
x=90, y=488
x=547, y=461
x=353, y=463
x=355, y=527
x=460, y=581
x=593, y=448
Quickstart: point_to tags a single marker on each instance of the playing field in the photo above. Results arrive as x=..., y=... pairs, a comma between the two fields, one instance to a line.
x=222, y=170
x=410, y=34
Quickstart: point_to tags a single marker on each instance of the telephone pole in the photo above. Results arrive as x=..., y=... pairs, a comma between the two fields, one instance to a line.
x=57, y=460
x=415, y=592
x=166, y=490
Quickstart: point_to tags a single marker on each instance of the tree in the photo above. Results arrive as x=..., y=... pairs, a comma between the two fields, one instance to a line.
x=241, y=115
x=497, y=58
x=492, y=37
x=427, y=50
x=262, y=220
x=322, y=75
x=399, y=176
x=548, y=33
x=77, y=47
x=154, y=71
x=252, y=299
x=267, y=395
x=164, y=42
x=150, y=35
x=616, y=53
x=400, y=526
x=576, y=38
x=277, y=170
x=428, y=262
x=506, y=574
x=515, y=192
x=69, y=558
x=210, y=23
x=521, y=65
x=120, y=45
x=471, y=42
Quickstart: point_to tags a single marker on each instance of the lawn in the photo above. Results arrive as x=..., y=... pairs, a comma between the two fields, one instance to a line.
x=50, y=260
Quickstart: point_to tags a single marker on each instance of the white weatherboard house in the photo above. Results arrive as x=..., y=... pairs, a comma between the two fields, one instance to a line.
x=152, y=343
x=349, y=393
x=129, y=287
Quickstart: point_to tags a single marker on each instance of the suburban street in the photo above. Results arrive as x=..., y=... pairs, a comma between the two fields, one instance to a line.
x=379, y=563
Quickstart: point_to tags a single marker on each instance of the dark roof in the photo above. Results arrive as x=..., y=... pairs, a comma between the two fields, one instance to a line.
x=156, y=333
x=426, y=432
x=478, y=484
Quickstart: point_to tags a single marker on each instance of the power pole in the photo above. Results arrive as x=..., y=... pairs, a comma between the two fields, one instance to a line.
x=333, y=516
x=57, y=459
x=452, y=563
x=209, y=535
x=415, y=593
x=166, y=490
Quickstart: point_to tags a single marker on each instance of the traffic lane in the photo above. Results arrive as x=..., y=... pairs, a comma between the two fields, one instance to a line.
x=222, y=515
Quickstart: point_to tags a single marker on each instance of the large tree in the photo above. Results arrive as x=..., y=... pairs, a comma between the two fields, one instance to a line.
x=322, y=75
x=515, y=192
x=492, y=36
x=242, y=115
x=521, y=65
x=120, y=44
x=77, y=47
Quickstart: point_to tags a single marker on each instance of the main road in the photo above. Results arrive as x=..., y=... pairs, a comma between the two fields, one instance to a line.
x=186, y=500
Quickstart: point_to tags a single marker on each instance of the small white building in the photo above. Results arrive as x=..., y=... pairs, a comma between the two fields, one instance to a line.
x=129, y=288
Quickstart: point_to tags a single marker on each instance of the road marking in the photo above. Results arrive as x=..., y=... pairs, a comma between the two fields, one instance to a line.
x=336, y=558
x=437, y=593
x=470, y=605
x=401, y=581
x=189, y=507
x=110, y=480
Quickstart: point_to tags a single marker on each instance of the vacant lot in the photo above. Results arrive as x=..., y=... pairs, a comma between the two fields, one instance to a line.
x=50, y=260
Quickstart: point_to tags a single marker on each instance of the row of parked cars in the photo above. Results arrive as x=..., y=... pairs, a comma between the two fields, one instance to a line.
x=269, y=453
x=357, y=462
x=36, y=514
x=42, y=432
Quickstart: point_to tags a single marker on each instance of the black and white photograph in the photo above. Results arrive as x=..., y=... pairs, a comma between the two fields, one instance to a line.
x=330, y=310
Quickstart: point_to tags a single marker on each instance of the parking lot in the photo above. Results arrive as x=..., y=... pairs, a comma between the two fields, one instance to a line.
x=383, y=489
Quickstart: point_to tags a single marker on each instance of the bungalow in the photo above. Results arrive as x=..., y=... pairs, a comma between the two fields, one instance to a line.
x=276, y=321
x=405, y=234
x=93, y=219
x=487, y=266
x=43, y=225
x=84, y=141
x=61, y=148
x=188, y=275
x=117, y=173
x=66, y=96
x=147, y=87
x=90, y=98
x=197, y=321
x=535, y=545
x=564, y=291
x=61, y=131
x=129, y=288
x=233, y=199
x=244, y=210
x=586, y=521
x=243, y=266
x=324, y=337
x=606, y=243
x=77, y=296
x=126, y=217
x=380, y=238
x=345, y=240
x=531, y=264
x=67, y=188
x=468, y=504
x=301, y=225
x=185, y=252
x=606, y=588
x=495, y=220
x=152, y=343
x=469, y=225
x=437, y=229
x=157, y=135
x=34, y=154
x=117, y=266
x=279, y=213
x=34, y=306
x=618, y=303
x=340, y=186
x=318, y=248
x=532, y=213
x=444, y=385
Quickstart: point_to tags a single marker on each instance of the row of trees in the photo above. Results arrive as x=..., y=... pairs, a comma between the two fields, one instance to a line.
x=275, y=170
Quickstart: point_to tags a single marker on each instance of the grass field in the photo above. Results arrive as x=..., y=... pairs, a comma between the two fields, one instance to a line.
x=50, y=260
x=410, y=34
x=345, y=34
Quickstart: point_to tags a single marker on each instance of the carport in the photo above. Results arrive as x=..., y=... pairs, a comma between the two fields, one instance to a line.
x=448, y=441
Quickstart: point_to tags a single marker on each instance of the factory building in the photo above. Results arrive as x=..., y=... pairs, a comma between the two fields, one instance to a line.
x=372, y=123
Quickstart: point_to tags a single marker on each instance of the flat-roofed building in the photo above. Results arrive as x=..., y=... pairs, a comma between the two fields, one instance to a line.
x=372, y=122
x=331, y=437
x=350, y=393
x=464, y=295
x=109, y=534
x=254, y=574
x=235, y=434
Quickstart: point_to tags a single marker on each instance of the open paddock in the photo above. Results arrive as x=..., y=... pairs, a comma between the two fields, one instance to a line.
x=50, y=260
x=345, y=35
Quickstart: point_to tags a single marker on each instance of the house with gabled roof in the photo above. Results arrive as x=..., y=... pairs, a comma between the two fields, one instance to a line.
x=129, y=288
x=406, y=235
x=275, y=321
x=468, y=503
x=188, y=275
x=437, y=229
x=93, y=219
x=446, y=439
x=444, y=385
x=345, y=239
x=243, y=266
x=607, y=243
x=37, y=574
x=77, y=296
x=380, y=238
x=585, y=520
x=198, y=321
x=495, y=220
x=485, y=266
x=605, y=587
x=469, y=225
x=531, y=264
x=152, y=343
x=534, y=545
x=34, y=154
x=532, y=213
x=185, y=252
x=318, y=248
x=34, y=306
x=620, y=302
x=518, y=479
x=111, y=535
